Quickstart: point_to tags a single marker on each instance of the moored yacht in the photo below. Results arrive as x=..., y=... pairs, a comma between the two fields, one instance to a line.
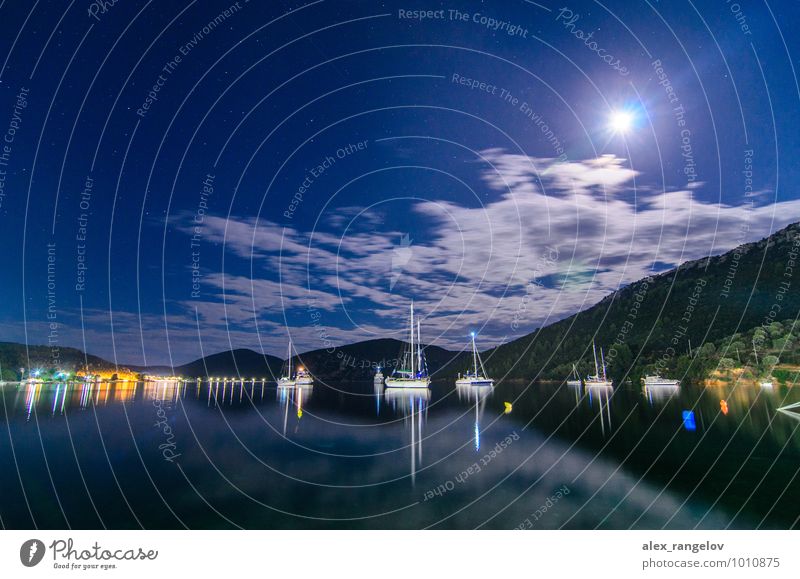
x=598, y=379
x=574, y=378
x=413, y=371
x=475, y=378
x=304, y=377
x=378, y=377
x=287, y=378
x=656, y=380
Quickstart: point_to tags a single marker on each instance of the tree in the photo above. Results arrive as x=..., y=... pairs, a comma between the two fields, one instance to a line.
x=708, y=350
x=621, y=359
x=783, y=343
x=775, y=329
x=737, y=346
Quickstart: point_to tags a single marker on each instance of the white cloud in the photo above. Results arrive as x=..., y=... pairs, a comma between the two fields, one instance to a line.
x=476, y=265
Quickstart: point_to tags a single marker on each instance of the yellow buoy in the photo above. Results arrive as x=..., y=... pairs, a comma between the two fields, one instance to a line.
x=508, y=407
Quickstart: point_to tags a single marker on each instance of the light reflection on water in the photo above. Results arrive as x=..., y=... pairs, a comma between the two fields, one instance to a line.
x=361, y=455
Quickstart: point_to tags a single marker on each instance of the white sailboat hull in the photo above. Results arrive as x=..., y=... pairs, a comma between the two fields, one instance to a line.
x=598, y=383
x=659, y=381
x=286, y=382
x=574, y=382
x=475, y=381
x=306, y=380
x=407, y=382
x=406, y=395
x=662, y=383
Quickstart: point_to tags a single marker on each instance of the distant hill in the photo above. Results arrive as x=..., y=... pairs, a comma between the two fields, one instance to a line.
x=242, y=362
x=15, y=356
x=655, y=318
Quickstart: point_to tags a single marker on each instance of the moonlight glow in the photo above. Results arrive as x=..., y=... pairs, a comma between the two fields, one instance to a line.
x=620, y=122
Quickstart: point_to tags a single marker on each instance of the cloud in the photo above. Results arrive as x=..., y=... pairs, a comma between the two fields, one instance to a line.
x=521, y=174
x=554, y=238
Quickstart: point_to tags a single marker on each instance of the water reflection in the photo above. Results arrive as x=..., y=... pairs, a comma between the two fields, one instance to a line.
x=791, y=411
x=294, y=397
x=354, y=433
x=377, y=390
x=232, y=390
x=726, y=407
x=601, y=394
x=59, y=396
x=412, y=405
x=660, y=394
x=163, y=390
x=576, y=389
x=477, y=395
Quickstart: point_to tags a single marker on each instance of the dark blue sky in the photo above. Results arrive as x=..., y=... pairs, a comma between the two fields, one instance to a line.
x=230, y=174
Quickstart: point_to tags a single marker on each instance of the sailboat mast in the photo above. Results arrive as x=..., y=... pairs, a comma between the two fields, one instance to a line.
x=603, y=360
x=594, y=351
x=474, y=354
x=480, y=362
x=411, y=351
x=290, y=358
x=419, y=348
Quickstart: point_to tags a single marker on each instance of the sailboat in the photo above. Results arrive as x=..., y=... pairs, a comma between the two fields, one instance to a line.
x=475, y=378
x=288, y=379
x=598, y=379
x=574, y=378
x=413, y=372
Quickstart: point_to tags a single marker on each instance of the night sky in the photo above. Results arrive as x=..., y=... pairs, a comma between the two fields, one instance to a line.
x=178, y=179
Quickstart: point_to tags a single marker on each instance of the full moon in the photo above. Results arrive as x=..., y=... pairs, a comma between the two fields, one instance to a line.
x=621, y=122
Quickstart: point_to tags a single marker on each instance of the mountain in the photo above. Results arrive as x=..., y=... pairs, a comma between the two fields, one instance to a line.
x=242, y=362
x=649, y=324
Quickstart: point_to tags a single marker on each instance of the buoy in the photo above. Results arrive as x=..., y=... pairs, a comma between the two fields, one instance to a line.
x=508, y=407
x=723, y=405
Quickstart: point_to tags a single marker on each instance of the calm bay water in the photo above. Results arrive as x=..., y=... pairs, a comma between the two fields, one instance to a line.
x=166, y=455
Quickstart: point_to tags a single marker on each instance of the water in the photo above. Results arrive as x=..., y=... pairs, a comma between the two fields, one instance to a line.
x=167, y=455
